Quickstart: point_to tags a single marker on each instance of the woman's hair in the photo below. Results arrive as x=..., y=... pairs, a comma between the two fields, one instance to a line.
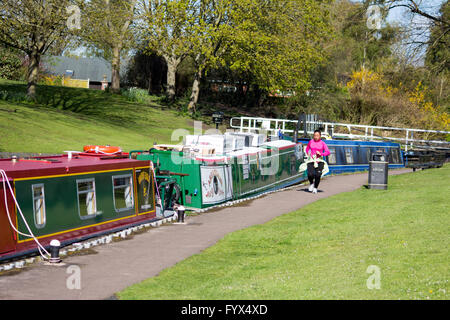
x=320, y=132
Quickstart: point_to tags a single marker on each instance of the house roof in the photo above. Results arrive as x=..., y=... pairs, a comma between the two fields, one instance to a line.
x=93, y=69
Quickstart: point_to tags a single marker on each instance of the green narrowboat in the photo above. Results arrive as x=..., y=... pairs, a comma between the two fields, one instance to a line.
x=214, y=169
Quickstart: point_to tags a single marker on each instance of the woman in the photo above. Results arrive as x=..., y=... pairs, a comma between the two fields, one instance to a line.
x=316, y=149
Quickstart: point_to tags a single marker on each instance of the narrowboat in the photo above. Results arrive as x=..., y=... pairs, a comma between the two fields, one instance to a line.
x=425, y=159
x=352, y=144
x=73, y=197
x=354, y=155
x=213, y=169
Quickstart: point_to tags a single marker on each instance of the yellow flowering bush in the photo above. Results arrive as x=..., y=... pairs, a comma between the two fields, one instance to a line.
x=375, y=101
x=51, y=80
x=433, y=117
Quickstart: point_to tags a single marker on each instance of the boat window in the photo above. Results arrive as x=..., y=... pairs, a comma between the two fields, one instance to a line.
x=332, y=155
x=395, y=156
x=39, y=205
x=123, y=192
x=349, y=155
x=87, y=205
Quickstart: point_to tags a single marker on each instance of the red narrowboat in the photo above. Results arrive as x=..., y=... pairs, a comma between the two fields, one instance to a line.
x=71, y=198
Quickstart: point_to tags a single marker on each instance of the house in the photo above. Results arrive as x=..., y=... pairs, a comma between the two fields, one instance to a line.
x=92, y=73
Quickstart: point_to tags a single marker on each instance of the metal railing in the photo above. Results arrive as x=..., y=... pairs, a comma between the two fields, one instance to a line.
x=340, y=130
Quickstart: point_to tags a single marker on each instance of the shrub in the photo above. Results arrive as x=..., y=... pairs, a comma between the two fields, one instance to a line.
x=13, y=96
x=52, y=80
x=136, y=95
x=11, y=65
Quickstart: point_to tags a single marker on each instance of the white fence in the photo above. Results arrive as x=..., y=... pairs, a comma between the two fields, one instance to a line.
x=342, y=130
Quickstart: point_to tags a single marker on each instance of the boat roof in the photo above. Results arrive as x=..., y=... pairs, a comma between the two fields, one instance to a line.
x=62, y=165
x=356, y=143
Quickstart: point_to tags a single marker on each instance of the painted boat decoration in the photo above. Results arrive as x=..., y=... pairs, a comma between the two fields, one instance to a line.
x=219, y=168
x=71, y=198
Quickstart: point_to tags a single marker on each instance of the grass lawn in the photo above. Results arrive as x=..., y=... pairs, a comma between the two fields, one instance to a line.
x=69, y=118
x=323, y=250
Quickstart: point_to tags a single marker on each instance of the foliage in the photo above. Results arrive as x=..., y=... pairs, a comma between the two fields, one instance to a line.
x=106, y=30
x=13, y=96
x=280, y=42
x=11, y=64
x=432, y=117
x=277, y=42
x=321, y=50
x=438, y=52
x=169, y=27
x=137, y=95
x=146, y=70
x=33, y=27
x=169, y=31
x=374, y=101
x=52, y=80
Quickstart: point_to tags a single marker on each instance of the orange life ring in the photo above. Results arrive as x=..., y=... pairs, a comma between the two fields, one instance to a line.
x=102, y=149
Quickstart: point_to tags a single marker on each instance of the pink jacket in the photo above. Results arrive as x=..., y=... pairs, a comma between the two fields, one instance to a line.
x=320, y=146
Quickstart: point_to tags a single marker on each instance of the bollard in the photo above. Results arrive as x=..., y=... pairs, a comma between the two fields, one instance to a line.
x=180, y=213
x=55, y=245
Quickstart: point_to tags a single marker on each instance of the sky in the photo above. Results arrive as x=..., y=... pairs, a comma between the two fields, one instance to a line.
x=417, y=26
x=398, y=14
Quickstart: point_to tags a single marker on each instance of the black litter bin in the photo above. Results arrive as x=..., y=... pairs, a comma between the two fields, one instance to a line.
x=378, y=170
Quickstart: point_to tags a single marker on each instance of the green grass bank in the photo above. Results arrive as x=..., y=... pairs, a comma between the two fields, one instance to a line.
x=69, y=118
x=323, y=250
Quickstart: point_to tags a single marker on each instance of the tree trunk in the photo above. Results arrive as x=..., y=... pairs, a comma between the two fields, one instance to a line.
x=150, y=87
x=33, y=74
x=172, y=66
x=195, y=91
x=149, y=64
x=442, y=88
x=115, y=75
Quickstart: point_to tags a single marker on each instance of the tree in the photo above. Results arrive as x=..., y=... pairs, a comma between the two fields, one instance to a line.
x=417, y=7
x=169, y=31
x=214, y=29
x=279, y=42
x=107, y=30
x=429, y=20
x=437, y=56
x=33, y=27
x=438, y=51
x=354, y=48
x=147, y=70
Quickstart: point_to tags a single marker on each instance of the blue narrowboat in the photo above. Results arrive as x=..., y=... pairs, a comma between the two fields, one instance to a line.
x=353, y=156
